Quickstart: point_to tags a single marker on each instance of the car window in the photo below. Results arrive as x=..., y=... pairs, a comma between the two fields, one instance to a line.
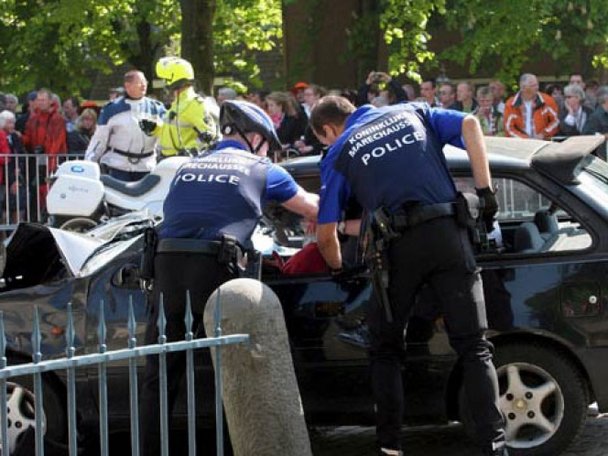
x=516, y=200
x=595, y=177
x=528, y=222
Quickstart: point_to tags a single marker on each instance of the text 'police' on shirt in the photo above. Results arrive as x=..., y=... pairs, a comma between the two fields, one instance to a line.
x=397, y=127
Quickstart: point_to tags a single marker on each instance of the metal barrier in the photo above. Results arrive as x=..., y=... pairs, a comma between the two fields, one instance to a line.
x=101, y=359
x=24, y=185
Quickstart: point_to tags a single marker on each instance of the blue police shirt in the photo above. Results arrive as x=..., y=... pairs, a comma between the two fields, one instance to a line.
x=390, y=156
x=223, y=192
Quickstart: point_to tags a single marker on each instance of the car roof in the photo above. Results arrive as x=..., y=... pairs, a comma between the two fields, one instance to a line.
x=558, y=160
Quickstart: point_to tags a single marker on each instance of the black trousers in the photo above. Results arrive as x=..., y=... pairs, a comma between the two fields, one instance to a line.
x=437, y=253
x=175, y=274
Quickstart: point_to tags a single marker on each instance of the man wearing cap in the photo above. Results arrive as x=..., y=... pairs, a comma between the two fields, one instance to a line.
x=212, y=208
x=187, y=126
x=298, y=91
x=118, y=144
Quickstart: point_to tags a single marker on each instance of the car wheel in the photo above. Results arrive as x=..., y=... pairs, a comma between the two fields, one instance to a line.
x=21, y=412
x=543, y=397
x=79, y=225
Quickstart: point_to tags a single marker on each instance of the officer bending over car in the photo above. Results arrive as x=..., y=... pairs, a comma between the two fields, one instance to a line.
x=390, y=159
x=212, y=208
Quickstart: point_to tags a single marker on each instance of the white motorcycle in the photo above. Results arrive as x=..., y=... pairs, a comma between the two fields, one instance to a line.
x=81, y=197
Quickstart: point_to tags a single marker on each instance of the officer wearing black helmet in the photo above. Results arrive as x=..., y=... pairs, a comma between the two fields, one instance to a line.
x=391, y=160
x=213, y=206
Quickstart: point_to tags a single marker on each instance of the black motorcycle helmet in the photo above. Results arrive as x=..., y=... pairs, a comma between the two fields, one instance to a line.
x=243, y=117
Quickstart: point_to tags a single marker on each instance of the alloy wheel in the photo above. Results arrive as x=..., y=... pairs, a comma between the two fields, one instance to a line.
x=532, y=402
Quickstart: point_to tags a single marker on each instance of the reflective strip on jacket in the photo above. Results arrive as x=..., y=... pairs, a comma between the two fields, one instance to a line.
x=545, y=120
x=183, y=123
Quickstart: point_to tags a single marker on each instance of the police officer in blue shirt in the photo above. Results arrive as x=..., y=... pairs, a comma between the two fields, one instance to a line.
x=390, y=159
x=210, y=213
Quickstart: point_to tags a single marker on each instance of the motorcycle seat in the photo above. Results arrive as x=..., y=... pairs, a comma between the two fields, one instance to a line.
x=136, y=188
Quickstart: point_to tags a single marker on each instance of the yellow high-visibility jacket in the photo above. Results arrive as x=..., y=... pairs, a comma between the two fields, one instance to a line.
x=183, y=123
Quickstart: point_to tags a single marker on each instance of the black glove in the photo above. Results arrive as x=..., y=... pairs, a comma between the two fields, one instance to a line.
x=147, y=126
x=206, y=137
x=489, y=206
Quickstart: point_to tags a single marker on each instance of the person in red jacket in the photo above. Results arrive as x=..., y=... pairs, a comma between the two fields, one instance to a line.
x=45, y=135
x=530, y=113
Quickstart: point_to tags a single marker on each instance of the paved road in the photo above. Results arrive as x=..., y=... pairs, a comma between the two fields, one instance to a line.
x=449, y=440
x=442, y=440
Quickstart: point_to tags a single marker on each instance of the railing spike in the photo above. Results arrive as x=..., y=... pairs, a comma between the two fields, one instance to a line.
x=162, y=321
x=189, y=319
x=2, y=342
x=70, y=332
x=101, y=327
x=36, y=338
x=218, y=313
x=132, y=324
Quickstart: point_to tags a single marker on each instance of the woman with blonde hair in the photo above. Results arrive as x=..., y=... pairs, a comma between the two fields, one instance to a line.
x=79, y=139
x=288, y=117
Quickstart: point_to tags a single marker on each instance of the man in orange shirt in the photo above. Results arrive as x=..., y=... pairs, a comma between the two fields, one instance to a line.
x=531, y=113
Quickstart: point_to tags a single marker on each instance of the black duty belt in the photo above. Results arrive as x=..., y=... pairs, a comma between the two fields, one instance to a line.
x=134, y=155
x=409, y=217
x=176, y=245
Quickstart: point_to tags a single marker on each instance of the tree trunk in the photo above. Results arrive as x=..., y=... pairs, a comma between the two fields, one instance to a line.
x=197, y=40
x=368, y=58
x=144, y=61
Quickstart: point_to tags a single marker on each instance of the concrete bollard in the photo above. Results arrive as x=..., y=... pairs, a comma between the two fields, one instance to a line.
x=261, y=396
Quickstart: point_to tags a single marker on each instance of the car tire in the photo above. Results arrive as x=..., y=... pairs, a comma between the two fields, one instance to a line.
x=543, y=396
x=21, y=399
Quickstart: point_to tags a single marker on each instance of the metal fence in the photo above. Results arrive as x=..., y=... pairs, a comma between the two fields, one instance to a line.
x=24, y=182
x=71, y=362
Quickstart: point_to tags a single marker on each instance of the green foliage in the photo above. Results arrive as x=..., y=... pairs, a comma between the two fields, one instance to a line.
x=510, y=32
x=61, y=43
x=241, y=29
x=404, y=24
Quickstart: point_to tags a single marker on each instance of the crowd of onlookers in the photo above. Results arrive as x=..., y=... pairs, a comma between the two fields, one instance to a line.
x=557, y=111
x=46, y=126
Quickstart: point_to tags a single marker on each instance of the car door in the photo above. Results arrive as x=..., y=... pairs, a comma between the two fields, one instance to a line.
x=114, y=286
x=325, y=319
